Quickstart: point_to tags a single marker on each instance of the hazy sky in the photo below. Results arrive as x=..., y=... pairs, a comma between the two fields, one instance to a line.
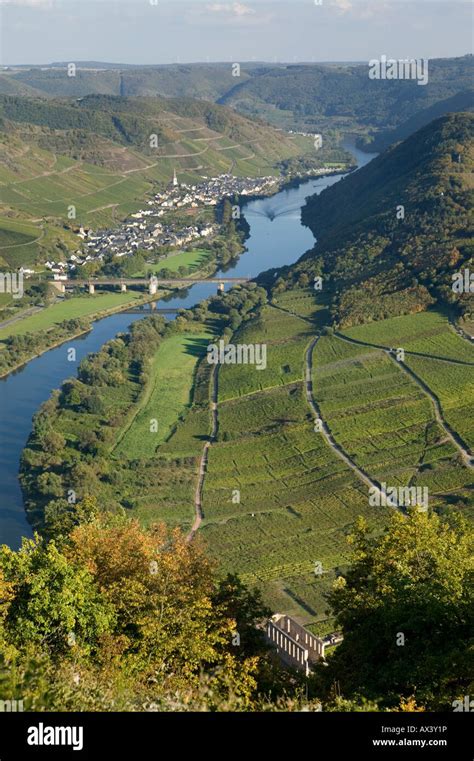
x=170, y=31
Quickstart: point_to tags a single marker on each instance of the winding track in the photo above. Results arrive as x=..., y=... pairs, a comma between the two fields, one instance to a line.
x=205, y=456
x=453, y=436
x=330, y=441
x=336, y=448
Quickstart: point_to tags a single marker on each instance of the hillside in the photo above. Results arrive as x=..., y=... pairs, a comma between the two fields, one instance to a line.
x=131, y=121
x=319, y=96
x=203, y=81
x=96, y=154
x=391, y=235
x=313, y=97
x=463, y=101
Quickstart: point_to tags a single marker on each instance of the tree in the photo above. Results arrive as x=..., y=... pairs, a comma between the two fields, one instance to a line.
x=53, y=603
x=53, y=442
x=161, y=588
x=71, y=394
x=246, y=607
x=87, y=441
x=406, y=610
x=61, y=516
x=93, y=404
x=50, y=484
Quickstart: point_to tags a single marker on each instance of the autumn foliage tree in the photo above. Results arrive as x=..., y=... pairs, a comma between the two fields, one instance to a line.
x=139, y=610
x=406, y=608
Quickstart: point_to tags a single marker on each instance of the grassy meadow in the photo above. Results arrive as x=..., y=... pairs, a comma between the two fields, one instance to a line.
x=168, y=393
x=76, y=306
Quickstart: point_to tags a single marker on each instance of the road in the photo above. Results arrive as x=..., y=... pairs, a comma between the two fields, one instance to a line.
x=17, y=318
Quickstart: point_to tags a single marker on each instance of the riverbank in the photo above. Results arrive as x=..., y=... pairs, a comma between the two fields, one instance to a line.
x=294, y=182
x=94, y=317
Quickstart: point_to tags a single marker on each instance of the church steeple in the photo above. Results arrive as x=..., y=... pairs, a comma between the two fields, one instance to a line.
x=175, y=179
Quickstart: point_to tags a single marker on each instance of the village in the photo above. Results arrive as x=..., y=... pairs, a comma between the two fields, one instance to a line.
x=156, y=225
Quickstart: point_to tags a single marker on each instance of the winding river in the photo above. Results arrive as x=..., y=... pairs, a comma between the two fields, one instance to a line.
x=277, y=237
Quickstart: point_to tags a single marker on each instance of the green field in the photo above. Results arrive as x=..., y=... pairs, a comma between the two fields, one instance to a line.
x=167, y=396
x=453, y=385
x=298, y=500
x=383, y=419
x=16, y=233
x=277, y=499
x=447, y=367
x=193, y=259
x=284, y=337
x=18, y=242
x=423, y=333
x=77, y=306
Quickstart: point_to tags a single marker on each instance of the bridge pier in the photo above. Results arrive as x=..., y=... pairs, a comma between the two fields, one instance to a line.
x=91, y=288
x=153, y=285
x=123, y=287
x=221, y=288
x=61, y=287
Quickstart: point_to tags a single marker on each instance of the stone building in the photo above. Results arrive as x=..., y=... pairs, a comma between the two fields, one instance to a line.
x=296, y=646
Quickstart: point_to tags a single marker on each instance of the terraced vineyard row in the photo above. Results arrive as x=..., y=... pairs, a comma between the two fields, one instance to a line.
x=383, y=420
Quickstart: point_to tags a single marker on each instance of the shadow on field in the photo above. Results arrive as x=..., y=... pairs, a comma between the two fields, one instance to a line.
x=197, y=346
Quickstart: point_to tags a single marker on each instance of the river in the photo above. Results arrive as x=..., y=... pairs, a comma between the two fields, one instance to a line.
x=276, y=238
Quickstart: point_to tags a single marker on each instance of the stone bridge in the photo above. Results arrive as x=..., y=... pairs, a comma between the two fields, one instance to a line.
x=152, y=283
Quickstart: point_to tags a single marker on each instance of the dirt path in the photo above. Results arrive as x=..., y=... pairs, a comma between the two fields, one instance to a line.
x=102, y=208
x=205, y=456
x=336, y=448
x=18, y=317
x=451, y=434
x=461, y=332
x=411, y=353
x=30, y=243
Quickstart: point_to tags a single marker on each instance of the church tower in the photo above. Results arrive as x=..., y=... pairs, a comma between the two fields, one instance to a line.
x=175, y=179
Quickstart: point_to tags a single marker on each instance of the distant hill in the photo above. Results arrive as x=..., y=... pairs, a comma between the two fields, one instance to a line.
x=202, y=81
x=391, y=235
x=336, y=95
x=463, y=101
x=309, y=97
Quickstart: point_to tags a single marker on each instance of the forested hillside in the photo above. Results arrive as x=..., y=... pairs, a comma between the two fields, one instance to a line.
x=319, y=92
x=314, y=97
x=130, y=121
x=391, y=236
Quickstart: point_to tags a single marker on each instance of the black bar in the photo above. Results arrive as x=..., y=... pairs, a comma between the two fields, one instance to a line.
x=325, y=735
